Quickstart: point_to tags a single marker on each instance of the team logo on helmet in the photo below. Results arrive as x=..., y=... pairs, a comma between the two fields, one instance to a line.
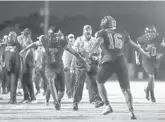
x=108, y=22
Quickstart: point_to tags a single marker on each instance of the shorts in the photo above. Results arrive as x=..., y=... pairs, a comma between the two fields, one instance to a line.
x=119, y=67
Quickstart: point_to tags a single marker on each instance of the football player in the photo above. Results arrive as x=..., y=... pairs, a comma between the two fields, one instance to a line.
x=151, y=42
x=54, y=69
x=111, y=39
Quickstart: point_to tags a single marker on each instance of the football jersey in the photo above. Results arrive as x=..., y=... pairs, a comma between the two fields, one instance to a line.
x=54, y=51
x=151, y=45
x=113, y=45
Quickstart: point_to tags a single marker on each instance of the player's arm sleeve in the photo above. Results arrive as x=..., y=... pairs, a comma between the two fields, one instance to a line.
x=134, y=45
x=141, y=40
x=32, y=45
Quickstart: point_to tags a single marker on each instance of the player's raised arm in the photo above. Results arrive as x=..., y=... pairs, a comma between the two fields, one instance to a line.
x=32, y=45
x=136, y=47
x=74, y=51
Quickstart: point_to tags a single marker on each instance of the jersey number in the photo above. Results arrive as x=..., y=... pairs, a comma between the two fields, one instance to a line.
x=115, y=41
x=152, y=50
x=53, y=59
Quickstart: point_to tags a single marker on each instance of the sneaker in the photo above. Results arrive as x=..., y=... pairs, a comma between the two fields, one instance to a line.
x=47, y=103
x=107, y=110
x=75, y=107
x=33, y=101
x=38, y=92
x=57, y=106
x=12, y=102
x=99, y=104
x=132, y=115
x=146, y=90
x=19, y=94
x=153, y=97
x=24, y=101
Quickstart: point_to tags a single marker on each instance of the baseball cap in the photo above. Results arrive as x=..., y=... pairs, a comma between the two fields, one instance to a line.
x=87, y=27
x=70, y=36
x=41, y=37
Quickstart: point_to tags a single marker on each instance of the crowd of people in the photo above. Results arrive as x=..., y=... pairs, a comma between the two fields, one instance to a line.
x=59, y=64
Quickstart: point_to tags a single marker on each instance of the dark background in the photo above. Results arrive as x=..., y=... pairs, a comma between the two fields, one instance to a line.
x=70, y=16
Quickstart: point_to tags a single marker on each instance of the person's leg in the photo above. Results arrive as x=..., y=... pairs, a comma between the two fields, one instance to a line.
x=78, y=87
x=51, y=76
x=105, y=71
x=147, y=65
x=123, y=77
x=36, y=80
x=30, y=84
x=13, y=90
x=92, y=87
x=60, y=85
x=44, y=80
x=25, y=87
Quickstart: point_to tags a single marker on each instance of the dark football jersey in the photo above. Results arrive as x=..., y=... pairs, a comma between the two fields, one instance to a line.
x=113, y=43
x=54, y=51
x=151, y=45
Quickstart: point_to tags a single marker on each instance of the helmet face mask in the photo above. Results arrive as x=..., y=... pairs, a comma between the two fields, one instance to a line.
x=151, y=31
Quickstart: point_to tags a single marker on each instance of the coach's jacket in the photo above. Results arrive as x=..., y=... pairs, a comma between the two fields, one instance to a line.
x=82, y=44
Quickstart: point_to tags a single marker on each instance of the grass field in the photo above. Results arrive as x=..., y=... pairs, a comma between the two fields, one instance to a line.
x=145, y=110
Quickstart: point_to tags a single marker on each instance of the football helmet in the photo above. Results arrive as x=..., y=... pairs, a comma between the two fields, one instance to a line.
x=59, y=35
x=151, y=31
x=108, y=22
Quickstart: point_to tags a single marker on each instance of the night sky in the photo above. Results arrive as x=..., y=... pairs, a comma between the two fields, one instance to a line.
x=87, y=8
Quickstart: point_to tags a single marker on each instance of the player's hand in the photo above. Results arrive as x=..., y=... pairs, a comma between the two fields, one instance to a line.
x=38, y=43
x=159, y=56
x=88, y=67
x=147, y=55
x=95, y=58
x=163, y=43
x=137, y=62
